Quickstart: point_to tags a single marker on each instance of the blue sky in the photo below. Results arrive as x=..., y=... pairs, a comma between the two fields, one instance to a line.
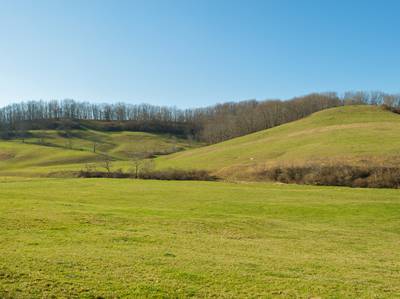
x=195, y=53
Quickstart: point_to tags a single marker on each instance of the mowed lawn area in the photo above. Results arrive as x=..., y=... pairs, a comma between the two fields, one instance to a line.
x=105, y=238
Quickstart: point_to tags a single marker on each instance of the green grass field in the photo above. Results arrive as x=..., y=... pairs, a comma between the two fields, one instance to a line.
x=350, y=134
x=105, y=238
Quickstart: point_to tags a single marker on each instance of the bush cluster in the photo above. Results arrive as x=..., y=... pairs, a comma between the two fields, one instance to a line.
x=392, y=109
x=335, y=175
x=168, y=174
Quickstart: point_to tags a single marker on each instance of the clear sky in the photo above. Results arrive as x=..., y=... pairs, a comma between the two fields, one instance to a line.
x=195, y=53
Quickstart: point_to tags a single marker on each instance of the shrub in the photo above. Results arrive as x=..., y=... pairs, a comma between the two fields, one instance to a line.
x=169, y=174
x=103, y=174
x=391, y=108
x=176, y=174
x=335, y=175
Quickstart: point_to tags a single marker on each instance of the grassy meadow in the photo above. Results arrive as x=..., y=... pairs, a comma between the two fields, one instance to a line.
x=107, y=238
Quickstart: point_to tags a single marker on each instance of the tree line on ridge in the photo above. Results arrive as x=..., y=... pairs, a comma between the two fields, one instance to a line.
x=210, y=124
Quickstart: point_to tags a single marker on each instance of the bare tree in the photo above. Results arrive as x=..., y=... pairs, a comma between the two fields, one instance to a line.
x=137, y=162
x=90, y=167
x=94, y=146
x=139, y=159
x=106, y=163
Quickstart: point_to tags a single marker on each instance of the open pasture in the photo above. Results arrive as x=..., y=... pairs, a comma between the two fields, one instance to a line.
x=95, y=238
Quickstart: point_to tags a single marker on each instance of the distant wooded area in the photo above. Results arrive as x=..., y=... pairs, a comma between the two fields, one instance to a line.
x=210, y=124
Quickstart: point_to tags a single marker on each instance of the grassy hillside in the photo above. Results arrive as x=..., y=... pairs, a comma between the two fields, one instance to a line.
x=46, y=151
x=68, y=238
x=116, y=144
x=350, y=134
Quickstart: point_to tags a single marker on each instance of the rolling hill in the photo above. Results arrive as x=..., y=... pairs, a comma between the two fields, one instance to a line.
x=51, y=150
x=349, y=135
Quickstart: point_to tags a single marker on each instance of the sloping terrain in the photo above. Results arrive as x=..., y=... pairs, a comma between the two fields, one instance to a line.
x=117, y=144
x=350, y=135
x=46, y=151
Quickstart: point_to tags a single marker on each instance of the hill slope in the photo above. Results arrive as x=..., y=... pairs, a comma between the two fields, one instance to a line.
x=47, y=151
x=350, y=134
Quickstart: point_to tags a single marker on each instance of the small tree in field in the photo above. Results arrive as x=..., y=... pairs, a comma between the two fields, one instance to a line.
x=89, y=168
x=138, y=157
x=66, y=126
x=94, y=146
x=107, y=163
x=138, y=162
